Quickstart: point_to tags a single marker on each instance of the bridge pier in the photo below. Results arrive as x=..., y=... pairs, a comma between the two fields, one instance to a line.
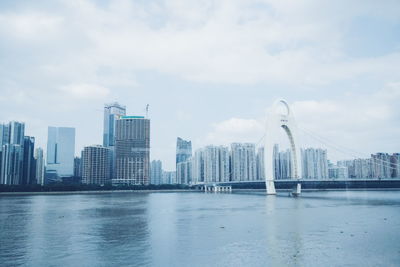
x=270, y=184
x=297, y=190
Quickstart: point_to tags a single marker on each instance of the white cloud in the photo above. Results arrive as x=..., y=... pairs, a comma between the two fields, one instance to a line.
x=85, y=91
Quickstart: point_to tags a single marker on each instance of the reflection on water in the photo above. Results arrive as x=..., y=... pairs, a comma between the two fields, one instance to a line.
x=197, y=229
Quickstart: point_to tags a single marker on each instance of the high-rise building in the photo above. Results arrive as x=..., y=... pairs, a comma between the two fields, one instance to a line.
x=184, y=172
x=216, y=164
x=112, y=112
x=315, y=163
x=60, y=153
x=95, y=165
x=78, y=166
x=156, y=172
x=395, y=165
x=243, y=162
x=198, y=166
x=183, y=150
x=169, y=177
x=282, y=163
x=132, y=150
x=12, y=153
x=39, y=170
x=260, y=164
x=381, y=165
x=29, y=164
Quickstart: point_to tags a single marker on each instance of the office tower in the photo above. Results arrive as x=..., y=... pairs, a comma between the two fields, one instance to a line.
x=78, y=167
x=260, y=164
x=112, y=112
x=243, y=162
x=132, y=150
x=315, y=163
x=198, y=166
x=60, y=153
x=12, y=153
x=156, y=172
x=39, y=170
x=183, y=150
x=29, y=164
x=95, y=165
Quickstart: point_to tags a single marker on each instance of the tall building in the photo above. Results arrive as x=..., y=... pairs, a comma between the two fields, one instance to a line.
x=216, y=164
x=39, y=170
x=12, y=153
x=169, y=177
x=156, y=172
x=95, y=165
x=132, y=150
x=198, y=166
x=282, y=163
x=243, y=162
x=78, y=166
x=260, y=164
x=183, y=150
x=395, y=165
x=381, y=165
x=29, y=164
x=60, y=153
x=315, y=163
x=184, y=172
x=112, y=112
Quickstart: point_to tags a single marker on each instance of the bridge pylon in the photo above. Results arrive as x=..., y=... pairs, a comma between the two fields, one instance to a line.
x=275, y=122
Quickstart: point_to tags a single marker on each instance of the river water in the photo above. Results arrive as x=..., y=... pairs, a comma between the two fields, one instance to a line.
x=331, y=228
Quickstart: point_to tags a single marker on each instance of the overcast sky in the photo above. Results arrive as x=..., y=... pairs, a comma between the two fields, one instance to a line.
x=208, y=69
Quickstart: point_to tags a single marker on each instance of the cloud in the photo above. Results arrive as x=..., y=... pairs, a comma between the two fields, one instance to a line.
x=85, y=91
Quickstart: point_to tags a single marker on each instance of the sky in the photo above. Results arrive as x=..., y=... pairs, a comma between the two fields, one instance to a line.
x=209, y=70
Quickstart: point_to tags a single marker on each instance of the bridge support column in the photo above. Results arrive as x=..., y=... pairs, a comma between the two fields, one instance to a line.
x=297, y=190
x=270, y=184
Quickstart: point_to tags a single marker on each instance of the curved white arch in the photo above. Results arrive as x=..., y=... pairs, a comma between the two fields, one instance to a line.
x=276, y=121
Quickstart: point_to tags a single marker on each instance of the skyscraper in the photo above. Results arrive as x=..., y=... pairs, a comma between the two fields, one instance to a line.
x=156, y=172
x=112, y=112
x=39, y=160
x=95, y=169
x=183, y=150
x=12, y=153
x=315, y=163
x=243, y=162
x=132, y=150
x=198, y=166
x=60, y=152
x=260, y=164
x=29, y=165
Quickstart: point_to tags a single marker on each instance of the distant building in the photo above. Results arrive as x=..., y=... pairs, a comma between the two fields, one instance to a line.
x=169, y=177
x=184, y=172
x=336, y=172
x=78, y=167
x=60, y=153
x=39, y=170
x=156, y=172
x=112, y=112
x=198, y=166
x=243, y=162
x=260, y=166
x=95, y=165
x=381, y=165
x=395, y=165
x=183, y=150
x=132, y=151
x=12, y=153
x=282, y=163
x=29, y=164
x=315, y=163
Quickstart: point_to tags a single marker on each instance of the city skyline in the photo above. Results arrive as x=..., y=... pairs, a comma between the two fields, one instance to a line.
x=206, y=69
